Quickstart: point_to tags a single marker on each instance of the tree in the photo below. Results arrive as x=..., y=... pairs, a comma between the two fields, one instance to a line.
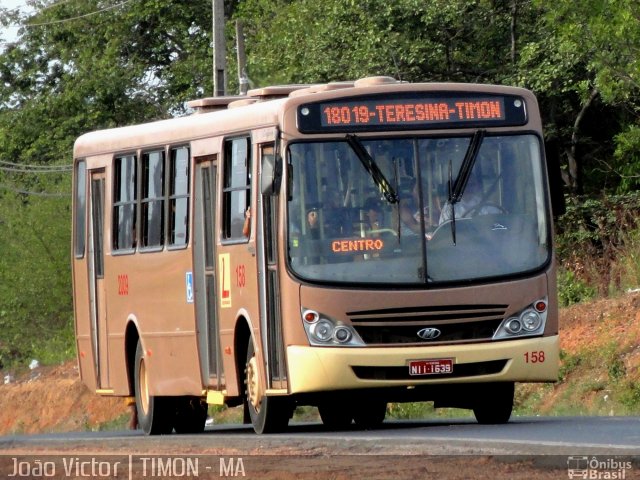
x=442, y=40
x=77, y=66
x=585, y=64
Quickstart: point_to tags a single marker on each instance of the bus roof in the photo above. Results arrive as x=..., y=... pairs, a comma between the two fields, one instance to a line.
x=261, y=107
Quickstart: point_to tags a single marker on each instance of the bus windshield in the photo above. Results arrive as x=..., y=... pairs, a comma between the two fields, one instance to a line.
x=343, y=226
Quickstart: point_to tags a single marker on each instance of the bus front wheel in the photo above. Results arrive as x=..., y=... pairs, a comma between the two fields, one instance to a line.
x=335, y=415
x=155, y=414
x=370, y=414
x=496, y=404
x=268, y=414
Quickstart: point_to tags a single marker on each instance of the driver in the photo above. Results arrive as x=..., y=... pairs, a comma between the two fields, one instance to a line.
x=471, y=204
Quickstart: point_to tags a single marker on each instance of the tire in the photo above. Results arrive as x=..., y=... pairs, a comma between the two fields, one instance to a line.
x=496, y=405
x=191, y=415
x=155, y=414
x=370, y=414
x=335, y=415
x=268, y=414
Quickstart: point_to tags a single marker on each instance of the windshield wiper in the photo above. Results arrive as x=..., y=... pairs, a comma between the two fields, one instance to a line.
x=372, y=167
x=467, y=165
x=457, y=189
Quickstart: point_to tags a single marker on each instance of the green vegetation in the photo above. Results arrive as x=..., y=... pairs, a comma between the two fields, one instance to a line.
x=88, y=64
x=598, y=242
x=592, y=382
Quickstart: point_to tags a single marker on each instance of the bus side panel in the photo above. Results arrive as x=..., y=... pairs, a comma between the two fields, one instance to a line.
x=151, y=290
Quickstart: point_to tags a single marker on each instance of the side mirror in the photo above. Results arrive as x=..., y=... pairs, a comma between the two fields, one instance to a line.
x=271, y=174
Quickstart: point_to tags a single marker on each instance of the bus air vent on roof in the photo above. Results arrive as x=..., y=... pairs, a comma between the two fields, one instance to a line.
x=276, y=91
x=212, y=104
x=374, y=81
x=325, y=87
x=243, y=101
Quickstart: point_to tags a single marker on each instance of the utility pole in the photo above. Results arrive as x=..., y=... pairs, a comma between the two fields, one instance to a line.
x=219, y=50
x=243, y=81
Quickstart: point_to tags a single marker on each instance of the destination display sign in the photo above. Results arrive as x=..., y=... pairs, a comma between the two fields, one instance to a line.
x=411, y=112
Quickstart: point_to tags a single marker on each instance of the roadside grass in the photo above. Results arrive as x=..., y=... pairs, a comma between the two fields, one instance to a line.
x=594, y=381
x=118, y=423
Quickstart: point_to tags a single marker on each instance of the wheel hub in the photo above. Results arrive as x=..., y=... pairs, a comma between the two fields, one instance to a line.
x=254, y=389
x=144, y=387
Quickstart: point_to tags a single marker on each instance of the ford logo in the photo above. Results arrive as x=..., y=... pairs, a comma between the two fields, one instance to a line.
x=429, y=333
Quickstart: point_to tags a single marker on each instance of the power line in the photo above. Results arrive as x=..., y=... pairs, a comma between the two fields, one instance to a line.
x=64, y=20
x=42, y=9
x=32, y=193
x=28, y=170
x=22, y=168
x=11, y=167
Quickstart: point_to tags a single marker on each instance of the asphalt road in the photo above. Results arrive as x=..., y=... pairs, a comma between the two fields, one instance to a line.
x=546, y=442
x=523, y=435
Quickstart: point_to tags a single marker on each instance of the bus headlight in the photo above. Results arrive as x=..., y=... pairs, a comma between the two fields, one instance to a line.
x=513, y=325
x=324, y=331
x=342, y=334
x=528, y=322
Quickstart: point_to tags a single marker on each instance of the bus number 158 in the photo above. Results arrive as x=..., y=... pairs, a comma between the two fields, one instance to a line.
x=534, y=357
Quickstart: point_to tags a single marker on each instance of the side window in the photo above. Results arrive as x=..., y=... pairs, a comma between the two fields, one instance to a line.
x=179, y=196
x=152, y=199
x=124, y=204
x=80, y=211
x=237, y=186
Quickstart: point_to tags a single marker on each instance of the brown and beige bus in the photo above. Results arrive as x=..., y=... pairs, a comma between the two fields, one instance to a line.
x=340, y=245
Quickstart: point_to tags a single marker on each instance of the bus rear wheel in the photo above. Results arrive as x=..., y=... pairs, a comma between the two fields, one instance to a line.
x=496, y=405
x=155, y=414
x=268, y=414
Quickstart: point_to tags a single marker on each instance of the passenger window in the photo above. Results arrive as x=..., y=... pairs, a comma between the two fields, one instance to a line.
x=179, y=197
x=152, y=201
x=80, y=210
x=237, y=186
x=124, y=205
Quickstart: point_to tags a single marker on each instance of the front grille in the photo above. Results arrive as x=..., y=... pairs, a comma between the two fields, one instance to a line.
x=457, y=332
x=402, y=373
x=456, y=323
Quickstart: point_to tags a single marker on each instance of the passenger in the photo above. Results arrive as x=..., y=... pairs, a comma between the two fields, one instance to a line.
x=335, y=216
x=246, y=226
x=374, y=216
x=313, y=223
x=410, y=213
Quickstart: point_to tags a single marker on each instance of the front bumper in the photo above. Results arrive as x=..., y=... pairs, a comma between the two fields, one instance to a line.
x=316, y=369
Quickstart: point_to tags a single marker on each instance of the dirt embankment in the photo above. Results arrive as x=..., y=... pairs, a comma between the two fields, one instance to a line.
x=600, y=364
x=52, y=399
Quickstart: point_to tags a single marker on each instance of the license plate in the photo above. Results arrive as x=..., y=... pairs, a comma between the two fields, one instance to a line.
x=441, y=366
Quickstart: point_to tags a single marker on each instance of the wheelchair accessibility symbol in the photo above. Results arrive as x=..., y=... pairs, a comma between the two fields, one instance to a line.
x=189, y=281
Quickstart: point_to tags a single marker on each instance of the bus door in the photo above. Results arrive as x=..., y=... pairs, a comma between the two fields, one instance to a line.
x=205, y=273
x=98, y=306
x=268, y=284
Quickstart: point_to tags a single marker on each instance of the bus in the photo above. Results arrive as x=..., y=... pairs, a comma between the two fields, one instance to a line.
x=341, y=245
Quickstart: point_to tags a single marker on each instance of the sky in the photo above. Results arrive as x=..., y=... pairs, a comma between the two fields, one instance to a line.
x=9, y=34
